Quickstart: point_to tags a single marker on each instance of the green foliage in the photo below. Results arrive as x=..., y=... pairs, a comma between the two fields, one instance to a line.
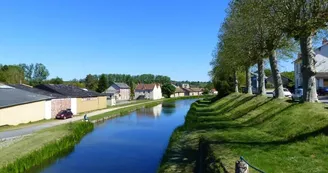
x=269, y=133
x=40, y=74
x=75, y=82
x=50, y=150
x=267, y=72
x=144, y=78
x=132, y=88
x=11, y=74
x=167, y=90
x=34, y=74
x=56, y=80
x=290, y=75
x=91, y=82
x=103, y=83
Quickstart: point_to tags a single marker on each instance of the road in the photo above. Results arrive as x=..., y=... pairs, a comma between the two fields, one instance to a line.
x=32, y=129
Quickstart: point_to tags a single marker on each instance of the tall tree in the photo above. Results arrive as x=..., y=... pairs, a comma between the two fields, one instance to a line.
x=11, y=74
x=28, y=71
x=40, y=73
x=91, y=82
x=103, y=83
x=168, y=89
x=301, y=19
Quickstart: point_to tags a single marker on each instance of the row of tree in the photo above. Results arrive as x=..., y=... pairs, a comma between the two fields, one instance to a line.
x=254, y=31
x=35, y=74
x=32, y=74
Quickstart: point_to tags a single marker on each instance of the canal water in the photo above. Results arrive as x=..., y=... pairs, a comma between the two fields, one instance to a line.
x=134, y=143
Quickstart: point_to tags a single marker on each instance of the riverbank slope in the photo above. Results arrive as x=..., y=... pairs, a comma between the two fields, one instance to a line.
x=273, y=135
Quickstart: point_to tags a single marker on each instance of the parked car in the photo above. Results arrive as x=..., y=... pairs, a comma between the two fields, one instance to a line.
x=322, y=91
x=298, y=95
x=287, y=93
x=64, y=114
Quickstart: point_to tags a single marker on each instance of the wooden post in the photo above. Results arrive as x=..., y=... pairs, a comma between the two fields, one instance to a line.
x=241, y=167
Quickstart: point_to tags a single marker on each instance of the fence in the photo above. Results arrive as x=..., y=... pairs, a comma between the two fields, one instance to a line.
x=242, y=166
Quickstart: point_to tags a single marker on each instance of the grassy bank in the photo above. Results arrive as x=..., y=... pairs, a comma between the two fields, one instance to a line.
x=274, y=135
x=71, y=134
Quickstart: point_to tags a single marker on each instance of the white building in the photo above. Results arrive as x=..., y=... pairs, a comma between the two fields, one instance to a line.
x=321, y=65
x=148, y=91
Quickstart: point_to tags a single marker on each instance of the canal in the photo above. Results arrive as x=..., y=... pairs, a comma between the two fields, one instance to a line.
x=135, y=142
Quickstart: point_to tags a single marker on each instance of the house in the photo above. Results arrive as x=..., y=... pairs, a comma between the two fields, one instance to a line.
x=18, y=106
x=255, y=81
x=193, y=91
x=285, y=80
x=179, y=92
x=185, y=85
x=148, y=91
x=187, y=91
x=121, y=91
x=196, y=91
x=58, y=102
x=81, y=100
x=214, y=91
x=321, y=66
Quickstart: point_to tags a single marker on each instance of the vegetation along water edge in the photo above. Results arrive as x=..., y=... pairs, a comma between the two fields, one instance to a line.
x=32, y=150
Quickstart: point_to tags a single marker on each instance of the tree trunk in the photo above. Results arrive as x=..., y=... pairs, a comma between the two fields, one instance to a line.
x=249, y=80
x=235, y=81
x=261, y=80
x=277, y=81
x=308, y=70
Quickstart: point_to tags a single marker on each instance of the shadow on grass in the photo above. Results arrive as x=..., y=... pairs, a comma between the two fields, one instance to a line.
x=267, y=116
x=298, y=138
x=216, y=107
x=249, y=109
x=226, y=108
x=255, y=121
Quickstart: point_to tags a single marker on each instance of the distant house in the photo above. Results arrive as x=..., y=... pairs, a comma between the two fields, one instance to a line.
x=214, y=91
x=196, y=91
x=193, y=91
x=82, y=100
x=255, y=81
x=58, y=102
x=121, y=91
x=185, y=85
x=321, y=65
x=179, y=92
x=18, y=106
x=148, y=91
x=285, y=80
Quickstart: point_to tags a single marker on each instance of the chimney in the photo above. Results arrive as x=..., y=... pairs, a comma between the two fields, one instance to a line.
x=324, y=41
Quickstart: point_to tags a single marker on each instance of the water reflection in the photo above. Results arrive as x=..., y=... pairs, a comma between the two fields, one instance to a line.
x=153, y=112
x=132, y=143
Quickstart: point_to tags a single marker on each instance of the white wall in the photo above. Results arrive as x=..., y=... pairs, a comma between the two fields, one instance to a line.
x=321, y=65
x=74, y=105
x=47, y=114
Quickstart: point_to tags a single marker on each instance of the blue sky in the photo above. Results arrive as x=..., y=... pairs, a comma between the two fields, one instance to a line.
x=77, y=37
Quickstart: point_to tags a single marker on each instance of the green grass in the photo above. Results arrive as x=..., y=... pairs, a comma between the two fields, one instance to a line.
x=274, y=135
x=24, y=125
x=40, y=153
